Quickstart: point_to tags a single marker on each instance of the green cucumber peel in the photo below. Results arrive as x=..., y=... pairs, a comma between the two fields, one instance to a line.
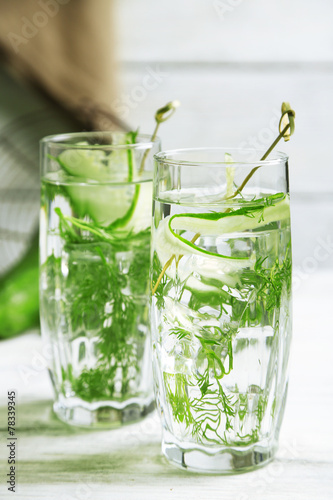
x=275, y=207
x=172, y=246
x=95, y=165
x=268, y=210
x=130, y=165
x=196, y=247
x=60, y=162
x=122, y=221
x=202, y=290
x=83, y=202
x=131, y=140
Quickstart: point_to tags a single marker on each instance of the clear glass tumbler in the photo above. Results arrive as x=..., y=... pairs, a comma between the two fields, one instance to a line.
x=221, y=306
x=95, y=227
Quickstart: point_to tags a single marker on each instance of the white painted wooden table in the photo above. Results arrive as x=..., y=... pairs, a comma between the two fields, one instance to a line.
x=59, y=462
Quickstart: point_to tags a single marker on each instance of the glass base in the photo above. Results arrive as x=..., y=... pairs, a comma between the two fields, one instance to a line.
x=103, y=414
x=227, y=461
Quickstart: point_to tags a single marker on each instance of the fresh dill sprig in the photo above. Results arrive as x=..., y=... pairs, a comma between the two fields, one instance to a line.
x=103, y=301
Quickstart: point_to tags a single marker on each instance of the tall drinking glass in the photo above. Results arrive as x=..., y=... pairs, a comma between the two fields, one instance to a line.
x=221, y=306
x=95, y=229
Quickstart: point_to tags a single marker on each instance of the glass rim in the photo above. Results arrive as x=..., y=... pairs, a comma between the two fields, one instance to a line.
x=166, y=157
x=59, y=140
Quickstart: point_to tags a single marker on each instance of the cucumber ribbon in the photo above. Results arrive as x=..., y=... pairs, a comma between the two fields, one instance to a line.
x=168, y=242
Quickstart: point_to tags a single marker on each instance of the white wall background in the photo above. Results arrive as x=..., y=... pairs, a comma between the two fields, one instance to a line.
x=231, y=63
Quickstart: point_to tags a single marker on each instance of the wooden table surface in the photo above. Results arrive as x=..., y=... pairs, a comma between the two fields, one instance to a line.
x=56, y=461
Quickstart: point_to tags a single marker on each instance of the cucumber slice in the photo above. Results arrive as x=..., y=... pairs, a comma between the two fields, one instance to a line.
x=107, y=205
x=176, y=313
x=169, y=243
x=211, y=268
x=138, y=217
x=202, y=290
x=240, y=220
x=95, y=164
x=103, y=204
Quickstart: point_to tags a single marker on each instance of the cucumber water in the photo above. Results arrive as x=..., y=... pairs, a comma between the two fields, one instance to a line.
x=94, y=282
x=222, y=284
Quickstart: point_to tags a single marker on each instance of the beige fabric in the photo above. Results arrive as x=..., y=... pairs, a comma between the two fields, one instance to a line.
x=64, y=45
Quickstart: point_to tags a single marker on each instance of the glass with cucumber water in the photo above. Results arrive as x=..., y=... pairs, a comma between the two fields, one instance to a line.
x=95, y=230
x=221, y=305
